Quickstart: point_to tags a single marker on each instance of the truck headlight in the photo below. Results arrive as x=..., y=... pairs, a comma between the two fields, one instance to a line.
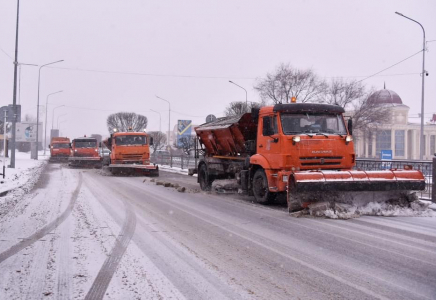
x=295, y=139
x=285, y=178
x=75, y=150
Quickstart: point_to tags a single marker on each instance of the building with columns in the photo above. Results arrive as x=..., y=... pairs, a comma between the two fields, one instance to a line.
x=401, y=136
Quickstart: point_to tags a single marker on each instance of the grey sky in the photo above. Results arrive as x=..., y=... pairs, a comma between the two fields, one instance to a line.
x=186, y=51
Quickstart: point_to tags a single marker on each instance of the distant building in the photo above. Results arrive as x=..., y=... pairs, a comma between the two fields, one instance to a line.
x=401, y=136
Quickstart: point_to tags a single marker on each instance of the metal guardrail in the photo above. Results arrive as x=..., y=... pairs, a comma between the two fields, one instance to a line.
x=178, y=161
x=426, y=167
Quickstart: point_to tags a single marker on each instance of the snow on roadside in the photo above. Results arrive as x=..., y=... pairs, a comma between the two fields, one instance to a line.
x=20, y=180
x=415, y=209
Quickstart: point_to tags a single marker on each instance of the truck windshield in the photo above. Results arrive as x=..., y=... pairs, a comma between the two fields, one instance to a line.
x=313, y=123
x=61, y=146
x=125, y=140
x=87, y=144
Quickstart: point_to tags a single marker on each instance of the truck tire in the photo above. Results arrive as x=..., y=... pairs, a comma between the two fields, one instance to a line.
x=204, y=179
x=260, y=188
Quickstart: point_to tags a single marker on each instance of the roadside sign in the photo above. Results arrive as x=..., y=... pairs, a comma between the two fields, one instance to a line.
x=386, y=155
x=10, y=113
x=210, y=118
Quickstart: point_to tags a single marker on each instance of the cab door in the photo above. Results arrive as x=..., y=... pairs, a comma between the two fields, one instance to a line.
x=268, y=144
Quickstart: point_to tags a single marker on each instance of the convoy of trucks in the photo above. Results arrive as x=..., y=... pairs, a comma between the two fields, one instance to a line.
x=302, y=150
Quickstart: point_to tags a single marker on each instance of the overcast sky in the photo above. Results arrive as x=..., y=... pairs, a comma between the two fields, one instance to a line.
x=120, y=54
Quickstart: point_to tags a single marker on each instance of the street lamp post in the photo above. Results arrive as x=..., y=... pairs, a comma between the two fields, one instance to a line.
x=246, y=94
x=160, y=119
x=58, y=120
x=421, y=144
x=52, y=115
x=169, y=118
x=37, y=105
x=45, y=124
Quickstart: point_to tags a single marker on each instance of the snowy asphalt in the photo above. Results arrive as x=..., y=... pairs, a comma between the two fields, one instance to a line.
x=83, y=234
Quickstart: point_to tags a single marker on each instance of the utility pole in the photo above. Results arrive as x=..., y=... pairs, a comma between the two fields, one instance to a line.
x=14, y=99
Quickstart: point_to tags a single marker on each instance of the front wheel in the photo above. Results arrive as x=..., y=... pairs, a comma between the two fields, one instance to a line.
x=203, y=178
x=260, y=188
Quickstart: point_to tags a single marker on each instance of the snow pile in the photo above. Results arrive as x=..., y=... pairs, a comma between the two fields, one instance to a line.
x=20, y=180
x=414, y=208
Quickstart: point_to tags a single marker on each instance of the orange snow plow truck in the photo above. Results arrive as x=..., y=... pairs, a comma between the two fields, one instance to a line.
x=302, y=150
x=84, y=153
x=130, y=153
x=60, y=149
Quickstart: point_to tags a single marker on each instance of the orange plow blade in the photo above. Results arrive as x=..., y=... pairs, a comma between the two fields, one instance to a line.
x=351, y=187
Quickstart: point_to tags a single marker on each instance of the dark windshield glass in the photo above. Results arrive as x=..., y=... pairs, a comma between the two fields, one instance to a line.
x=61, y=146
x=312, y=123
x=87, y=144
x=124, y=140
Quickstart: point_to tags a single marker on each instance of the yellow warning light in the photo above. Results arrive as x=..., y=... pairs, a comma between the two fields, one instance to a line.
x=293, y=99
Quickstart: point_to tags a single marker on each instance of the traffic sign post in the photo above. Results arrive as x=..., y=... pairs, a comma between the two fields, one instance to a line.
x=386, y=155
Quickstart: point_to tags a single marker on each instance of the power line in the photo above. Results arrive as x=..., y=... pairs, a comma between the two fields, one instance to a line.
x=6, y=53
x=391, y=66
x=213, y=77
x=149, y=74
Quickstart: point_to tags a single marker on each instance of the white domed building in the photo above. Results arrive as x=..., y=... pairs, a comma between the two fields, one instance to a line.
x=401, y=135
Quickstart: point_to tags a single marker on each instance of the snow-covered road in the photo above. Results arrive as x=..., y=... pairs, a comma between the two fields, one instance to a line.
x=80, y=234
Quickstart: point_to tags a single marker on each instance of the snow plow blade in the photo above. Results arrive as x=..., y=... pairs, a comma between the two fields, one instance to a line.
x=58, y=159
x=351, y=187
x=131, y=169
x=85, y=162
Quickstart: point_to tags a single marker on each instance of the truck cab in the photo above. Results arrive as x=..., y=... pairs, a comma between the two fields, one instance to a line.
x=84, y=152
x=129, y=148
x=60, y=149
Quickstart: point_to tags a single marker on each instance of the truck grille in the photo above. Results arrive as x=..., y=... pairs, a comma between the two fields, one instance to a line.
x=132, y=156
x=320, y=160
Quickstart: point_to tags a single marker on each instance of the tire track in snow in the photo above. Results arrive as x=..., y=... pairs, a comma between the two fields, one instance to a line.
x=46, y=229
x=104, y=276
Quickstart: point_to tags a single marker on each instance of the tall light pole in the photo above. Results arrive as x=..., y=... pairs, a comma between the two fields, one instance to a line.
x=14, y=97
x=246, y=94
x=423, y=74
x=169, y=118
x=37, y=105
x=45, y=124
x=52, y=115
x=58, y=120
x=160, y=120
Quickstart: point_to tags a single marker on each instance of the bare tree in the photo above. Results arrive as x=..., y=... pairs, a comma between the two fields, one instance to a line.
x=343, y=93
x=123, y=121
x=287, y=82
x=159, y=139
x=187, y=144
x=239, y=108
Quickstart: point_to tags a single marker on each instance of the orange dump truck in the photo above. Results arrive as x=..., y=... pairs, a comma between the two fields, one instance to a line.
x=130, y=153
x=60, y=149
x=84, y=153
x=303, y=150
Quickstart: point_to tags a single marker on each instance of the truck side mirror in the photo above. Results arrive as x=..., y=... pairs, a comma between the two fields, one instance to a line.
x=350, y=126
x=151, y=141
